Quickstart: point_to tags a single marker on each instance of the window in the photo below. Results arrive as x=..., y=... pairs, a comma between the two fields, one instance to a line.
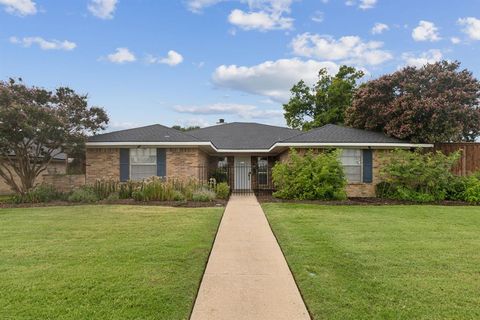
x=222, y=162
x=143, y=163
x=262, y=170
x=352, y=164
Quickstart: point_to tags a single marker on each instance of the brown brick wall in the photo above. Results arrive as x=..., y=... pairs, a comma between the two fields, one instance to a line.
x=65, y=182
x=187, y=163
x=57, y=167
x=102, y=163
x=358, y=189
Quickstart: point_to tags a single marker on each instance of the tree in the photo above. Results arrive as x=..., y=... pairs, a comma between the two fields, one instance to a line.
x=36, y=125
x=435, y=103
x=323, y=103
x=184, y=129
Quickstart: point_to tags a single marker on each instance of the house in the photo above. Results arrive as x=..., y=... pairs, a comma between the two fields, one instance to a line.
x=240, y=153
x=58, y=166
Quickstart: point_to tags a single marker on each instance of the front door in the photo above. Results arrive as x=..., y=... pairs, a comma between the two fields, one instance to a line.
x=243, y=172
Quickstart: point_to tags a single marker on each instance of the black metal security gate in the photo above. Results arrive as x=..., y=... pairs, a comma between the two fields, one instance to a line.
x=242, y=179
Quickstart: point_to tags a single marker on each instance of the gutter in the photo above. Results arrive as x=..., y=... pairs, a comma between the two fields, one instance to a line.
x=277, y=144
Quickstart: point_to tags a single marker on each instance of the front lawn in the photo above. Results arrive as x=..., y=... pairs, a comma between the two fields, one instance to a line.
x=383, y=262
x=103, y=262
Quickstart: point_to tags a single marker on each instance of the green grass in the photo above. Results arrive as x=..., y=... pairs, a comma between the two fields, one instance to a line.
x=103, y=262
x=397, y=262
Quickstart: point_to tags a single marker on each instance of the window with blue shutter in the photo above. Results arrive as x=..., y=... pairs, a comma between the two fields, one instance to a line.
x=124, y=164
x=367, y=166
x=161, y=163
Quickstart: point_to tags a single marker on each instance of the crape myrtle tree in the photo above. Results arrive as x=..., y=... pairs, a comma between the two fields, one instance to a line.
x=435, y=103
x=325, y=102
x=36, y=125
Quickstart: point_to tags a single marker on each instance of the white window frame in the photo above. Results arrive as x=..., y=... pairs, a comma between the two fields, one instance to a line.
x=131, y=164
x=361, y=166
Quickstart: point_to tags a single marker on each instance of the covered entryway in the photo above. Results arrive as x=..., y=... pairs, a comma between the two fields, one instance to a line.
x=242, y=174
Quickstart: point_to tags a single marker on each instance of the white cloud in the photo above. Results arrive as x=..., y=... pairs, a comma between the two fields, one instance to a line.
x=192, y=122
x=173, y=58
x=198, y=5
x=472, y=27
x=242, y=110
x=19, y=7
x=367, y=4
x=455, y=40
x=430, y=56
x=102, y=9
x=44, y=44
x=121, y=55
x=272, y=79
x=425, y=31
x=262, y=15
x=349, y=49
x=260, y=20
x=362, y=4
x=379, y=28
x=318, y=16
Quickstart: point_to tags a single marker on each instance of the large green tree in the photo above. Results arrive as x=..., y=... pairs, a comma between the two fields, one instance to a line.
x=325, y=102
x=36, y=125
x=435, y=103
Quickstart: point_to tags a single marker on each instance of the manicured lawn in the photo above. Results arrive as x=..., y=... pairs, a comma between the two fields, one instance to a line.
x=398, y=262
x=103, y=262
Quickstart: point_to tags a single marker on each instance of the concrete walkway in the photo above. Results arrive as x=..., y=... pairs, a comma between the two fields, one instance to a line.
x=247, y=276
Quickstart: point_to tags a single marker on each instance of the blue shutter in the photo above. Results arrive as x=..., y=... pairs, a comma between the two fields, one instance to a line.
x=367, y=166
x=161, y=163
x=124, y=164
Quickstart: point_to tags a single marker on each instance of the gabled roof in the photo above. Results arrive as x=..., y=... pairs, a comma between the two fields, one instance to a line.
x=332, y=133
x=153, y=133
x=243, y=135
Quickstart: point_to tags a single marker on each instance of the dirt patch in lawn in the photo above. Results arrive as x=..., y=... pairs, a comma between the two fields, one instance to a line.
x=362, y=201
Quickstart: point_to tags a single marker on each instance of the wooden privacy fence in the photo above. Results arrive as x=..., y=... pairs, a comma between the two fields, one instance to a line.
x=470, y=156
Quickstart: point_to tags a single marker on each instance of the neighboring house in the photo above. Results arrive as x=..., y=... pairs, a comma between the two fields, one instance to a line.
x=58, y=165
x=243, y=152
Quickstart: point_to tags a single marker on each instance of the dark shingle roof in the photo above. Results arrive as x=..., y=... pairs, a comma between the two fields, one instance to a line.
x=331, y=133
x=153, y=133
x=243, y=135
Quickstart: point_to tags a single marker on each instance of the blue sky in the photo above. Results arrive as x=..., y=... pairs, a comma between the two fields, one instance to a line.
x=191, y=62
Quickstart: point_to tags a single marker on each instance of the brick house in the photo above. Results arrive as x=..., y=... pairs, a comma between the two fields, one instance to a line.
x=58, y=166
x=240, y=153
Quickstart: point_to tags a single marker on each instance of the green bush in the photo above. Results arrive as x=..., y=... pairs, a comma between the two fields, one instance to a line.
x=203, y=195
x=417, y=176
x=178, y=196
x=113, y=197
x=104, y=188
x=310, y=177
x=222, y=190
x=85, y=195
x=126, y=189
x=465, y=189
x=41, y=193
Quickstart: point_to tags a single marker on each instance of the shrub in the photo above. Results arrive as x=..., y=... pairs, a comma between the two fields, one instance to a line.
x=203, y=195
x=178, y=196
x=465, y=189
x=417, y=176
x=113, y=197
x=104, y=188
x=222, y=190
x=310, y=177
x=126, y=189
x=41, y=193
x=85, y=195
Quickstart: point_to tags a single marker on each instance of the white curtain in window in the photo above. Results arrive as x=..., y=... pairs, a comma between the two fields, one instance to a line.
x=143, y=163
x=352, y=164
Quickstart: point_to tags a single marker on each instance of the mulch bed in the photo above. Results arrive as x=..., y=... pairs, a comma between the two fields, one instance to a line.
x=363, y=202
x=183, y=204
